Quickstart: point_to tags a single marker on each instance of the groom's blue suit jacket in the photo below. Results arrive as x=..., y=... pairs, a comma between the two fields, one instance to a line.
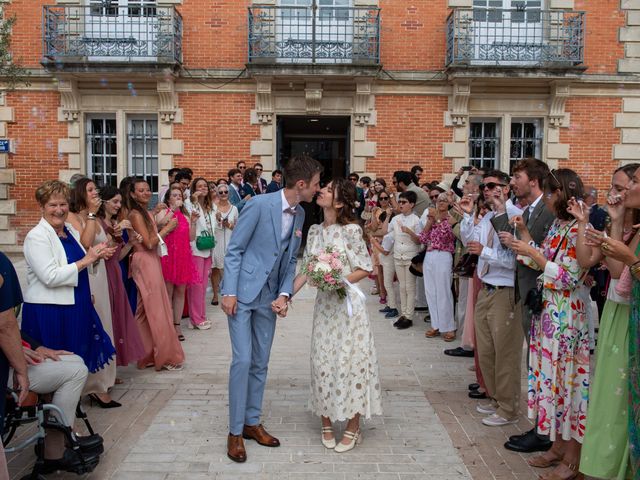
x=255, y=247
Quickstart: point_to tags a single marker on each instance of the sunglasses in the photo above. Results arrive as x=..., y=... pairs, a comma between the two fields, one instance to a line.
x=258, y=169
x=383, y=198
x=491, y=185
x=433, y=197
x=223, y=192
x=353, y=179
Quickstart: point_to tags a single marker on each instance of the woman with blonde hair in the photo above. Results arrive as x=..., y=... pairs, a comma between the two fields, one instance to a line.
x=57, y=310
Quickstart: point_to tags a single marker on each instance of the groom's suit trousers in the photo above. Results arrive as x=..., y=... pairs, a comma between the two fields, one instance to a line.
x=251, y=330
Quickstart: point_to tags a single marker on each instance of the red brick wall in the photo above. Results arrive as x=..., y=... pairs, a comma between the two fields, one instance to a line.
x=409, y=132
x=215, y=33
x=591, y=137
x=216, y=132
x=36, y=130
x=413, y=34
x=602, y=49
x=26, y=37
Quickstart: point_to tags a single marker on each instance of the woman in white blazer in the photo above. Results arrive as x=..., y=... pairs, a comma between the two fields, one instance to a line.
x=58, y=311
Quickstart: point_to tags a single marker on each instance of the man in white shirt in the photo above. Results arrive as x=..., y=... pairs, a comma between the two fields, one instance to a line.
x=499, y=336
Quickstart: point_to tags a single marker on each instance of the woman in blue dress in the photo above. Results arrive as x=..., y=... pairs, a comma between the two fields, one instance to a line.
x=58, y=309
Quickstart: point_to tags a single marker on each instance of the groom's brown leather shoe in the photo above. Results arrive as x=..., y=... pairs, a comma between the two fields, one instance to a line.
x=235, y=448
x=260, y=435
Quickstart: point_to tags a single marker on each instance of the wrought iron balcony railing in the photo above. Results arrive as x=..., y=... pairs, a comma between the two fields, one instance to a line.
x=516, y=37
x=314, y=35
x=112, y=34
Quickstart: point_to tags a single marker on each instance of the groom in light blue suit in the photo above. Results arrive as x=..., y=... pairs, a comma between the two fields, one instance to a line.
x=259, y=269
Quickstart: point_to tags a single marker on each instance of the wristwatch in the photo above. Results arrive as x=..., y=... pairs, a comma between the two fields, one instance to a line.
x=91, y=216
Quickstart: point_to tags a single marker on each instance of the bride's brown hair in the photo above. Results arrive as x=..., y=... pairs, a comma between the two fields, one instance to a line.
x=344, y=192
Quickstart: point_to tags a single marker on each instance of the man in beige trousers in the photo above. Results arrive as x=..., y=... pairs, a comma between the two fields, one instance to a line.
x=499, y=335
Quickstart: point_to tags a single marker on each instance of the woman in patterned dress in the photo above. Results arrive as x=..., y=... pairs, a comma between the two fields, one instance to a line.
x=344, y=365
x=559, y=345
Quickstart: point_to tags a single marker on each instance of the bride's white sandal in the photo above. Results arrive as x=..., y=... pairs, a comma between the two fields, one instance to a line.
x=330, y=443
x=355, y=439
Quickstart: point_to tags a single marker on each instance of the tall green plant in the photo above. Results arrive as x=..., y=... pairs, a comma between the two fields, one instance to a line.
x=11, y=73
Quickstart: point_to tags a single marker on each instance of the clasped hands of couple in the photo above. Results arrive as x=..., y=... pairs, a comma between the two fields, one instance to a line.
x=280, y=305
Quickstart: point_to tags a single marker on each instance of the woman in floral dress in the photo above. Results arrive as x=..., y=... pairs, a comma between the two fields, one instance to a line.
x=344, y=364
x=559, y=345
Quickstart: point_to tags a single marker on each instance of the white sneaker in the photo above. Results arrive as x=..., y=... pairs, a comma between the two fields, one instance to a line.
x=496, y=420
x=485, y=408
x=206, y=325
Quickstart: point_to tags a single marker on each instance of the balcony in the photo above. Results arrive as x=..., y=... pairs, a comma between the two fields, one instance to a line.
x=314, y=35
x=105, y=35
x=520, y=38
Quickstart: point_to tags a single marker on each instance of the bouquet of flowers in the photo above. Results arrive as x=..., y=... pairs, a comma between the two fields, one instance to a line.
x=324, y=271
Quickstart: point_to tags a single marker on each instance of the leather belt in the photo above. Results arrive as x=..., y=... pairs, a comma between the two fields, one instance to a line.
x=491, y=288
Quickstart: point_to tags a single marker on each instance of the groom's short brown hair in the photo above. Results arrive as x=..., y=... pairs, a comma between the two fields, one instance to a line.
x=301, y=167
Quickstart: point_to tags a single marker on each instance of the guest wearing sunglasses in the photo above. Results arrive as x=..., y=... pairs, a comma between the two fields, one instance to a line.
x=405, y=228
x=226, y=218
x=499, y=337
x=261, y=185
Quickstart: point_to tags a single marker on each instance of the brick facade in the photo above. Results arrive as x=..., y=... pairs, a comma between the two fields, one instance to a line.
x=410, y=131
x=214, y=109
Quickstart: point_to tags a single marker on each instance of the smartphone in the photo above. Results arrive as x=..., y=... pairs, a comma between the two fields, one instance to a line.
x=466, y=168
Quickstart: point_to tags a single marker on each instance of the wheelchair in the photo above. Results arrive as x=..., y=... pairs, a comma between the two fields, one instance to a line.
x=35, y=409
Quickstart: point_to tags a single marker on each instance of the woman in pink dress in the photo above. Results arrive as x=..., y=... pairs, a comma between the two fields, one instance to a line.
x=153, y=314
x=178, y=267
x=126, y=336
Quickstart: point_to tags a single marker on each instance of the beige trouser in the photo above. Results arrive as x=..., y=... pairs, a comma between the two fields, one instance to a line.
x=499, y=338
x=407, y=283
x=388, y=273
x=64, y=378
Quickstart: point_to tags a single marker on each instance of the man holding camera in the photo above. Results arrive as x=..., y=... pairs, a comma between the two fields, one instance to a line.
x=499, y=337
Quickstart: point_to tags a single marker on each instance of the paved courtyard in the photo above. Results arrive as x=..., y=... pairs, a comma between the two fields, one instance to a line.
x=173, y=425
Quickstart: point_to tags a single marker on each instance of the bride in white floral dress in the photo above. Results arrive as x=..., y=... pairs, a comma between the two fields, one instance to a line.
x=344, y=364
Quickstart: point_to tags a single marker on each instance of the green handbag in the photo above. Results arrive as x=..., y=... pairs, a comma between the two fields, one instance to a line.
x=206, y=240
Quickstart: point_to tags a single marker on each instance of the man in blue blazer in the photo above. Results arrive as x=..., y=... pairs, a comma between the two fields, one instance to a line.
x=259, y=269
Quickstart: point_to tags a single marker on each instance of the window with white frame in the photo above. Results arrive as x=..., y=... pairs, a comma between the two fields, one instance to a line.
x=484, y=142
x=102, y=150
x=142, y=149
x=102, y=156
x=526, y=140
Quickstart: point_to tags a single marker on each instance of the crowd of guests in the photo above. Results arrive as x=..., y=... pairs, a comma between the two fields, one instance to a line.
x=500, y=262
x=109, y=271
x=529, y=259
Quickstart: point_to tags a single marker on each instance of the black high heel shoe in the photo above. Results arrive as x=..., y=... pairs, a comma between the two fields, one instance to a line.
x=101, y=404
